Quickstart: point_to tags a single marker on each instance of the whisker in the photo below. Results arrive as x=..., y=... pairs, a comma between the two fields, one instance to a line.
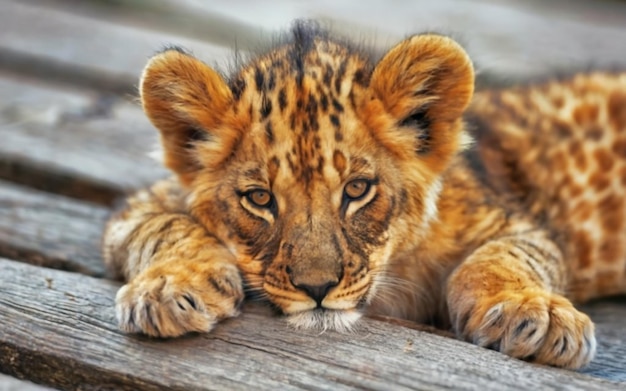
x=399, y=296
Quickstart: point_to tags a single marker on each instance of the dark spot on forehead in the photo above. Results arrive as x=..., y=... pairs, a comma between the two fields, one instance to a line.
x=339, y=77
x=338, y=106
x=320, y=164
x=307, y=174
x=266, y=107
x=238, y=86
x=324, y=102
x=258, y=79
x=282, y=99
x=339, y=161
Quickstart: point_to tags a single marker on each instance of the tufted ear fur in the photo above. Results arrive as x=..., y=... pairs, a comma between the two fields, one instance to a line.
x=425, y=83
x=186, y=100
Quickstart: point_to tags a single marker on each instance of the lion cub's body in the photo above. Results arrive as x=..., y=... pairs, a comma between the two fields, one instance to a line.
x=332, y=185
x=560, y=149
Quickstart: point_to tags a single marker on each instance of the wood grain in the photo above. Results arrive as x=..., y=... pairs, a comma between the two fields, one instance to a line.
x=82, y=50
x=78, y=143
x=610, y=318
x=186, y=19
x=51, y=231
x=58, y=329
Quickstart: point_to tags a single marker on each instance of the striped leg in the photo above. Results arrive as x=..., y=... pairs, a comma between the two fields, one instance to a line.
x=180, y=278
x=505, y=296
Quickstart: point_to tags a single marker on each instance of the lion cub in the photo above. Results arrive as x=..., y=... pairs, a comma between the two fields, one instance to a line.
x=333, y=184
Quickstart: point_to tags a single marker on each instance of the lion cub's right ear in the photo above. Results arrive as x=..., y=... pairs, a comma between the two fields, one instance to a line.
x=186, y=100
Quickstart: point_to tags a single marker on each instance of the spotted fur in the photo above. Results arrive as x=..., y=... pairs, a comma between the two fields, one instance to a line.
x=333, y=184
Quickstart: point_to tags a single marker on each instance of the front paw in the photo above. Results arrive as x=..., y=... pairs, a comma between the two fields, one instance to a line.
x=532, y=325
x=165, y=302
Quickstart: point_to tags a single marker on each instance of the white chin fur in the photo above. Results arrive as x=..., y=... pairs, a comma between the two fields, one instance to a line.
x=337, y=320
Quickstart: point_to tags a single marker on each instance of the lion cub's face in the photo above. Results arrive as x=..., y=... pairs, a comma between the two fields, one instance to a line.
x=312, y=165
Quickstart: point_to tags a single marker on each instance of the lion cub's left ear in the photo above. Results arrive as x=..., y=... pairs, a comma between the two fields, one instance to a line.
x=425, y=83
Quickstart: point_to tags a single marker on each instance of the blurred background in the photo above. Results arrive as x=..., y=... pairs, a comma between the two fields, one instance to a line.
x=69, y=68
x=105, y=43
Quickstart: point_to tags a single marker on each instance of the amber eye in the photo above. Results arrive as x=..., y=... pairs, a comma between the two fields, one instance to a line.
x=260, y=198
x=356, y=189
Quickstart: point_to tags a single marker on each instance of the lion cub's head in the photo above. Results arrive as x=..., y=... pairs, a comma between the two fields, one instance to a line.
x=313, y=165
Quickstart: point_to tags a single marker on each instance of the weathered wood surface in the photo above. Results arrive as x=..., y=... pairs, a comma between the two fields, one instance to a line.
x=78, y=143
x=81, y=50
x=59, y=329
x=610, y=318
x=51, y=230
x=179, y=18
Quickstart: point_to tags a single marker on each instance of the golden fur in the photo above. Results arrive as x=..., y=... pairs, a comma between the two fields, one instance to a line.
x=334, y=185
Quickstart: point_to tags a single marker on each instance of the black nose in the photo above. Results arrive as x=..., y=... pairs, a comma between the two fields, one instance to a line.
x=318, y=292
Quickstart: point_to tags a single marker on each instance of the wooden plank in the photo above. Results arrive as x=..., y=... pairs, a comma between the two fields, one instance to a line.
x=52, y=231
x=610, y=318
x=172, y=16
x=599, y=13
x=87, y=51
x=74, y=142
x=58, y=329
